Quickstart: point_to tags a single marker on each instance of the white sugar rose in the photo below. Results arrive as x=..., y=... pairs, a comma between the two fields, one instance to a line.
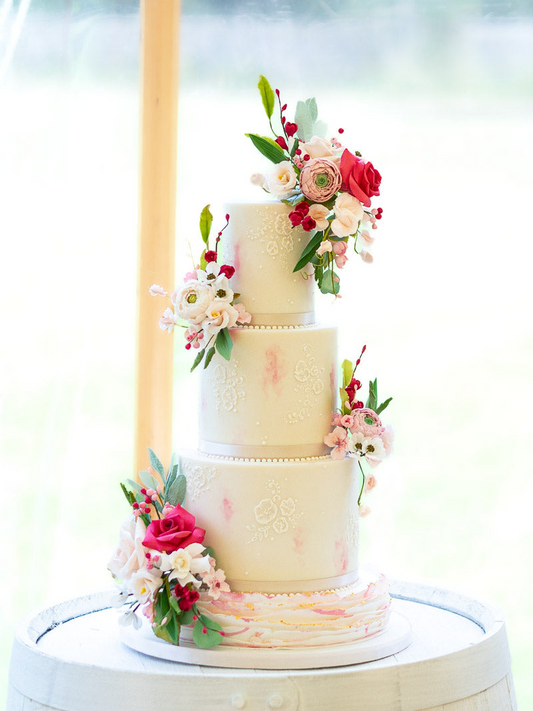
x=192, y=301
x=145, y=583
x=281, y=179
x=265, y=511
x=348, y=213
x=219, y=315
x=130, y=554
x=319, y=214
x=320, y=148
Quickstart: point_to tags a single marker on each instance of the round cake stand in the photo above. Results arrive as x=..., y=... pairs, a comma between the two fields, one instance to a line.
x=396, y=637
x=69, y=657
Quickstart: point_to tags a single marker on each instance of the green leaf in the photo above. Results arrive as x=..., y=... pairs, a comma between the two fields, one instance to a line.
x=130, y=497
x=345, y=401
x=209, y=551
x=224, y=344
x=372, y=400
x=267, y=147
x=312, y=108
x=203, y=262
x=175, y=493
x=186, y=616
x=162, y=605
x=206, y=220
x=173, y=466
x=148, y=480
x=133, y=485
x=162, y=633
x=330, y=282
x=319, y=129
x=383, y=405
x=347, y=370
x=294, y=200
x=198, y=359
x=294, y=147
x=267, y=95
x=156, y=463
x=209, y=356
x=173, y=627
x=308, y=251
x=209, y=638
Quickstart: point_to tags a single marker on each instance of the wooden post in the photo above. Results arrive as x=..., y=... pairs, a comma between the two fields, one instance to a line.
x=157, y=225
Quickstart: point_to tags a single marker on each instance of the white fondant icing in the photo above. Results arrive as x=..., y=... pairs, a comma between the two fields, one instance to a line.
x=264, y=248
x=290, y=523
x=283, y=379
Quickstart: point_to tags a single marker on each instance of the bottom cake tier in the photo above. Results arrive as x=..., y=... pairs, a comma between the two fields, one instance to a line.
x=309, y=619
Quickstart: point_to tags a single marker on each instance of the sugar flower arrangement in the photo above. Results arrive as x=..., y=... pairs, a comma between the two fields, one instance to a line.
x=357, y=429
x=205, y=305
x=329, y=187
x=161, y=562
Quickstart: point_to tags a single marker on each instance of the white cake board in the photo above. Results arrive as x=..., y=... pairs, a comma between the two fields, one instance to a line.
x=395, y=638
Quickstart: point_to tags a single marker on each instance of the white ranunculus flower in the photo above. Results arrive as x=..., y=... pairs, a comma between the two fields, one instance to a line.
x=281, y=179
x=130, y=554
x=348, y=213
x=219, y=315
x=145, y=583
x=192, y=301
x=320, y=148
x=319, y=213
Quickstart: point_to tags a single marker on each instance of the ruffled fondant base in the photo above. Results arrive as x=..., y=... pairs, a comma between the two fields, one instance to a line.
x=262, y=620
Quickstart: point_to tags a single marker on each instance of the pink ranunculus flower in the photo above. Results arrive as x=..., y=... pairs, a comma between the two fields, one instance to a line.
x=192, y=300
x=176, y=530
x=347, y=421
x=338, y=439
x=216, y=584
x=320, y=179
x=359, y=425
x=244, y=316
x=319, y=213
x=341, y=260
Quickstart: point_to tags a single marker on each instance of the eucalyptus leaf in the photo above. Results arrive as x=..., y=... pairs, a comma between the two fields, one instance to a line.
x=308, y=251
x=268, y=147
x=206, y=220
x=175, y=493
x=267, y=95
x=172, y=474
x=224, y=344
x=148, y=480
x=312, y=108
x=319, y=129
x=304, y=120
x=156, y=463
x=198, y=359
x=209, y=356
x=133, y=485
x=383, y=405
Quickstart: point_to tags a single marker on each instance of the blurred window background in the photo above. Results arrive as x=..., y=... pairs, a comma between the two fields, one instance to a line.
x=439, y=95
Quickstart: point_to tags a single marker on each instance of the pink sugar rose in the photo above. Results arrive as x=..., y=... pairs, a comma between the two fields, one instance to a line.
x=320, y=179
x=361, y=179
x=368, y=430
x=176, y=530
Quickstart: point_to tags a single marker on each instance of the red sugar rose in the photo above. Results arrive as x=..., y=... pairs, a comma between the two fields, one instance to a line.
x=361, y=179
x=210, y=256
x=227, y=271
x=175, y=530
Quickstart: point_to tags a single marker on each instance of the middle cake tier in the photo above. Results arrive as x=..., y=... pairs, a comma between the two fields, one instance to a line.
x=274, y=398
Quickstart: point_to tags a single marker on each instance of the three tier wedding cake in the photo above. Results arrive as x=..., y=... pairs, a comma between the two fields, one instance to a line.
x=252, y=540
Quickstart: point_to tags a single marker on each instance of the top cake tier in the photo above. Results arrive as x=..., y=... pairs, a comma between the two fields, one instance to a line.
x=263, y=247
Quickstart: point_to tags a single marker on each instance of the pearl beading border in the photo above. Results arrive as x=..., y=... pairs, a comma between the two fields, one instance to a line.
x=251, y=327
x=262, y=460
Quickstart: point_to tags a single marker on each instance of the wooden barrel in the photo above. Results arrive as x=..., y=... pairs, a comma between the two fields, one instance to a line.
x=69, y=658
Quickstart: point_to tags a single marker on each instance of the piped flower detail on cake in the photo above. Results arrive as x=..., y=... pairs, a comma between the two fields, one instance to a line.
x=274, y=514
x=161, y=562
x=329, y=187
x=309, y=385
x=357, y=430
x=205, y=305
